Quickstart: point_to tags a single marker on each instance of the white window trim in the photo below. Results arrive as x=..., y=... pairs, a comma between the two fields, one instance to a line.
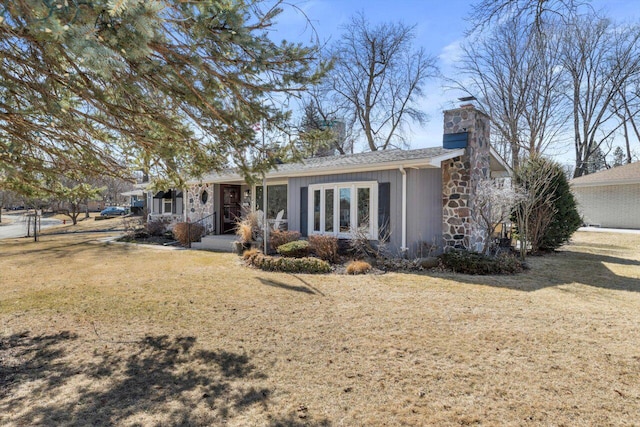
x=336, y=186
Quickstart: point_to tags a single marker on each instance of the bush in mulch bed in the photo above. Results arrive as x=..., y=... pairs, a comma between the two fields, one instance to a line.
x=286, y=265
x=295, y=249
x=474, y=263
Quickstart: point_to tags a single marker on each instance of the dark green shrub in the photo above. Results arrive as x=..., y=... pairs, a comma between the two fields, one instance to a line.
x=183, y=232
x=566, y=219
x=325, y=247
x=551, y=211
x=289, y=265
x=296, y=249
x=280, y=237
x=476, y=263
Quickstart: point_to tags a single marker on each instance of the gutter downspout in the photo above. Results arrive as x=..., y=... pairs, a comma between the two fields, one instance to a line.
x=404, y=248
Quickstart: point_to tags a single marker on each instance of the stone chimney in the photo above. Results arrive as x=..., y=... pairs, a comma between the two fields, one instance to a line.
x=460, y=176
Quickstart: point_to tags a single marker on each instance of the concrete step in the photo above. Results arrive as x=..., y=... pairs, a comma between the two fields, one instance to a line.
x=220, y=243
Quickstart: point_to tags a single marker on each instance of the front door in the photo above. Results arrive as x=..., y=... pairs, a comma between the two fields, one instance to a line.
x=231, y=207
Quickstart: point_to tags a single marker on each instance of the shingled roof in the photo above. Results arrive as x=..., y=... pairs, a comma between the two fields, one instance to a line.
x=353, y=162
x=626, y=174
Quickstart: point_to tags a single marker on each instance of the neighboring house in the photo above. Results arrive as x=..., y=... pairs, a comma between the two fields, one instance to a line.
x=165, y=206
x=610, y=198
x=413, y=199
x=137, y=200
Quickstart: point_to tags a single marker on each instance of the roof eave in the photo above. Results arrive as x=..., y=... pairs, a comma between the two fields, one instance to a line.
x=423, y=162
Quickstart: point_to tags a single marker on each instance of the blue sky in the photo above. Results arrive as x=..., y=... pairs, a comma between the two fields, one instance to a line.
x=440, y=27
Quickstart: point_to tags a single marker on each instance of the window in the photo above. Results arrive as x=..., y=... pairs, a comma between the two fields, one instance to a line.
x=204, y=196
x=339, y=208
x=166, y=206
x=276, y=199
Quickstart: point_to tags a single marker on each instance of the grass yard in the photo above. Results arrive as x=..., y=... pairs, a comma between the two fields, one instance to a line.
x=97, y=334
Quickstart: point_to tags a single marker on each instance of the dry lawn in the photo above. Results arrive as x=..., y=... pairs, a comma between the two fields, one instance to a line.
x=98, y=334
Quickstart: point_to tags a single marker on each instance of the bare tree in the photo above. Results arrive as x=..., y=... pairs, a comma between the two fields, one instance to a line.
x=627, y=107
x=378, y=78
x=515, y=74
x=495, y=200
x=536, y=12
x=321, y=112
x=600, y=59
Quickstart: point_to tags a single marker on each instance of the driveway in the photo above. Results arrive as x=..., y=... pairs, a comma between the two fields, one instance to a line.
x=18, y=226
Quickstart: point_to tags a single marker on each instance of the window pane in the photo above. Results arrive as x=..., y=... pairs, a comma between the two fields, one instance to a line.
x=259, y=198
x=364, y=201
x=316, y=210
x=328, y=211
x=167, y=206
x=276, y=200
x=345, y=210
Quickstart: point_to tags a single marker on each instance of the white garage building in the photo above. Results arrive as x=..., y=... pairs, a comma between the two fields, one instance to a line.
x=610, y=198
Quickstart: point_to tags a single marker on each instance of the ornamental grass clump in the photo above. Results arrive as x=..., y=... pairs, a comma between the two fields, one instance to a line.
x=358, y=267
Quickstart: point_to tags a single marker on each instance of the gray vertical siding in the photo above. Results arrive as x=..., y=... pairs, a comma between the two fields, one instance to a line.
x=424, y=210
x=391, y=176
x=424, y=204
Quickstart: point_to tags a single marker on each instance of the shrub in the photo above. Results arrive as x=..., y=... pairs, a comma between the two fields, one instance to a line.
x=548, y=215
x=358, y=267
x=475, y=263
x=361, y=245
x=185, y=232
x=280, y=237
x=296, y=249
x=156, y=228
x=288, y=265
x=325, y=247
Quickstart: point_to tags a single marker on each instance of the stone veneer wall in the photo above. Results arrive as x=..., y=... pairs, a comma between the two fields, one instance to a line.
x=197, y=210
x=460, y=176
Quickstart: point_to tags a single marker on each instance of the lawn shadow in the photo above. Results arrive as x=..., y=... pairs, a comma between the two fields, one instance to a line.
x=61, y=249
x=307, y=284
x=282, y=285
x=55, y=380
x=561, y=268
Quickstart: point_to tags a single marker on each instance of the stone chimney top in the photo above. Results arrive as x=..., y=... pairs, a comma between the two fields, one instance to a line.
x=467, y=102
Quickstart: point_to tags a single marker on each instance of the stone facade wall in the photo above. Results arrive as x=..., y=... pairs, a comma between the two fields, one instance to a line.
x=460, y=176
x=196, y=209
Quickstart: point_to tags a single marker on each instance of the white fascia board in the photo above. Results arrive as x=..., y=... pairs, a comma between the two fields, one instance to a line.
x=498, y=158
x=606, y=183
x=436, y=162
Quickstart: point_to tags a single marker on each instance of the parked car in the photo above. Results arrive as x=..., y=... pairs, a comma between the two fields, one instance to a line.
x=113, y=211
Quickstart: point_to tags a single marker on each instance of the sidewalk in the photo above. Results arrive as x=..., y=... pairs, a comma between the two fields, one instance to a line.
x=610, y=230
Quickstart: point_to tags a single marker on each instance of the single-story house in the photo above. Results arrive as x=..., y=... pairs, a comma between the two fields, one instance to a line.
x=411, y=199
x=610, y=198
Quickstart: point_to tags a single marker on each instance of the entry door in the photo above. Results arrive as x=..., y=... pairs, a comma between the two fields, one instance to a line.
x=231, y=207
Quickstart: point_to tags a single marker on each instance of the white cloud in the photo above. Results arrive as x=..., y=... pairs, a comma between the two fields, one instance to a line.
x=451, y=53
